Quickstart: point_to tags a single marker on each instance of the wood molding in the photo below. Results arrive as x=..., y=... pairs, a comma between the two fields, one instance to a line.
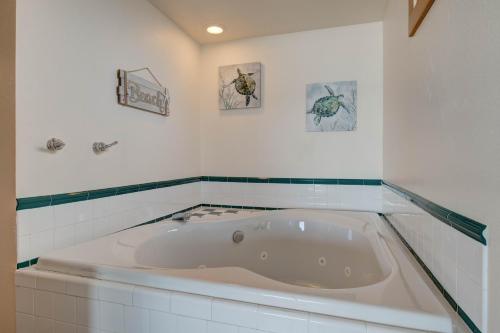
x=7, y=166
x=417, y=14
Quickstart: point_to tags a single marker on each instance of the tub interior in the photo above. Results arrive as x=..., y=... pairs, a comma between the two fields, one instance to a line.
x=307, y=251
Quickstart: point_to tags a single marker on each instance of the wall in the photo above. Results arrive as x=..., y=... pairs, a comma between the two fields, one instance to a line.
x=271, y=141
x=441, y=114
x=7, y=165
x=315, y=193
x=68, y=54
x=97, y=213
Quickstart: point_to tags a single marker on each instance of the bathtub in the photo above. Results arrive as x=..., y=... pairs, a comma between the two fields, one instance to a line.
x=341, y=264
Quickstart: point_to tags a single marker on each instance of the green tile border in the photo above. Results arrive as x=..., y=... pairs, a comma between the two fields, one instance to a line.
x=23, y=264
x=60, y=199
x=34, y=202
x=465, y=225
x=64, y=198
x=27, y=263
x=280, y=181
x=310, y=181
x=241, y=207
x=453, y=304
x=468, y=321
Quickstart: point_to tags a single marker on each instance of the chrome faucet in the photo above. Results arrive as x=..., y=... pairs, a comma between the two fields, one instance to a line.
x=182, y=217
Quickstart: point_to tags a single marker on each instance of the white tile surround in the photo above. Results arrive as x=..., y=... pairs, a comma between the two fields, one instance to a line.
x=41, y=230
x=457, y=261
x=53, y=303
x=346, y=197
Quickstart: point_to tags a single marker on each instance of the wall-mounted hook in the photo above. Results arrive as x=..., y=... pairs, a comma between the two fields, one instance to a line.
x=100, y=147
x=54, y=144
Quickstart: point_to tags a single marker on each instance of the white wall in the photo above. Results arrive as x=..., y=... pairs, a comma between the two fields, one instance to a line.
x=441, y=118
x=272, y=141
x=68, y=52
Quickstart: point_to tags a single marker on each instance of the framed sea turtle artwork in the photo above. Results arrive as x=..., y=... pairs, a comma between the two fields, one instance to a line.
x=331, y=106
x=239, y=86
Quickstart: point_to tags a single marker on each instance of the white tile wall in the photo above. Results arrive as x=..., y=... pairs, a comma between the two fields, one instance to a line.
x=214, y=327
x=281, y=320
x=457, y=261
x=116, y=293
x=231, y=312
x=67, y=311
x=371, y=328
x=65, y=308
x=323, y=324
x=25, y=323
x=44, y=304
x=191, y=305
x=152, y=299
x=112, y=317
x=41, y=230
x=44, y=325
x=353, y=197
x=25, y=300
x=190, y=325
x=136, y=319
x=60, y=327
x=88, y=312
x=161, y=322
x=46, y=281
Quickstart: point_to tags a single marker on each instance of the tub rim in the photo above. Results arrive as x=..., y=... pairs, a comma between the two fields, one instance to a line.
x=330, y=304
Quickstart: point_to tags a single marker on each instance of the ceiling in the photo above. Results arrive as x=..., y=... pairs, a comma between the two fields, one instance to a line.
x=252, y=18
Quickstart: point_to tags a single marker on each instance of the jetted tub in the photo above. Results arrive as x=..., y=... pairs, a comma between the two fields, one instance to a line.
x=344, y=264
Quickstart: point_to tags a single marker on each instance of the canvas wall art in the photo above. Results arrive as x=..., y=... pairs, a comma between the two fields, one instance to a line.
x=239, y=86
x=331, y=106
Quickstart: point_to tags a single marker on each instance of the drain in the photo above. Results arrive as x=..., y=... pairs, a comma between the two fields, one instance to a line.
x=238, y=236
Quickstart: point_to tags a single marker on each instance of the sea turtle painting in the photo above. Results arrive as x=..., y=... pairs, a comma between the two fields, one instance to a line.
x=335, y=111
x=239, y=86
x=245, y=85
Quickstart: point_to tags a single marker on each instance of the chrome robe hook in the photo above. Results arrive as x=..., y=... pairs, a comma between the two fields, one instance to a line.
x=100, y=147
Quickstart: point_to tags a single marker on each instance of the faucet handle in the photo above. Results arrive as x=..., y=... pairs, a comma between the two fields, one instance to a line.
x=181, y=217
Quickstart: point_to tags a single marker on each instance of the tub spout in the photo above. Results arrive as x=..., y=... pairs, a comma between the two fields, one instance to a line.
x=181, y=217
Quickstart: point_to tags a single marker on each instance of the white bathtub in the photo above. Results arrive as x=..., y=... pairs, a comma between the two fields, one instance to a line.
x=342, y=264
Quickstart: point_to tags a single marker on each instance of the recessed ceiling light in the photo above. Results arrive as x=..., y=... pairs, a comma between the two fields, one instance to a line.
x=214, y=30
